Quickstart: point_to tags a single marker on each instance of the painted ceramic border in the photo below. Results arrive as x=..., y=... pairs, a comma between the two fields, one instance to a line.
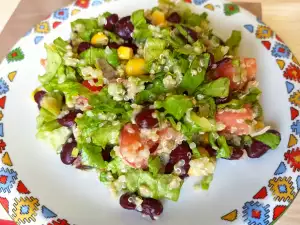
x=265, y=207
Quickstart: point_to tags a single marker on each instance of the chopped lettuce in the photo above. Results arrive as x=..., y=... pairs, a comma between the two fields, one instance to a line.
x=207, y=107
x=146, y=185
x=205, y=182
x=85, y=28
x=154, y=165
x=272, y=140
x=219, y=143
x=138, y=19
x=175, y=105
x=153, y=48
x=234, y=41
x=60, y=46
x=44, y=117
x=52, y=102
x=56, y=138
x=92, y=54
x=91, y=156
x=216, y=88
x=107, y=134
x=200, y=123
x=193, y=77
x=54, y=61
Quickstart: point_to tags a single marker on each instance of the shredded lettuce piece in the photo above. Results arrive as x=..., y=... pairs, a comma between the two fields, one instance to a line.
x=219, y=143
x=85, y=28
x=153, y=48
x=91, y=55
x=154, y=165
x=205, y=182
x=175, y=105
x=216, y=88
x=91, y=156
x=234, y=41
x=272, y=140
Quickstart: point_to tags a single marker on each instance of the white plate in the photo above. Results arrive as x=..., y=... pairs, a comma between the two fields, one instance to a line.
x=245, y=192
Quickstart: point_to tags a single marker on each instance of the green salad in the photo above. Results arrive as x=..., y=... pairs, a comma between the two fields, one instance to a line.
x=149, y=99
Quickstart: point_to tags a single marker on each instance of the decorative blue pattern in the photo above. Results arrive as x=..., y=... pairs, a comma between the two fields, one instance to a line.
x=7, y=179
x=199, y=2
x=296, y=127
x=281, y=51
x=61, y=14
x=249, y=27
x=289, y=86
x=3, y=87
x=281, y=169
x=298, y=183
x=47, y=213
x=96, y=3
x=24, y=209
x=255, y=213
x=38, y=39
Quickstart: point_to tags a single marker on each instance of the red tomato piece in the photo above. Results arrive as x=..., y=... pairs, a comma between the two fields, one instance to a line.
x=237, y=76
x=92, y=88
x=132, y=150
x=235, y=120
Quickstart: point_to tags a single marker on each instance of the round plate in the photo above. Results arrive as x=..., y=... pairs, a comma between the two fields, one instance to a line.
x=36, y=188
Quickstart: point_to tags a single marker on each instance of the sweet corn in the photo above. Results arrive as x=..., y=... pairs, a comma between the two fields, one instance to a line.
x=125, y=52
x=135, y=67
x=205, y=138
x=99, y=39
x=259, y=125
x=158, y=18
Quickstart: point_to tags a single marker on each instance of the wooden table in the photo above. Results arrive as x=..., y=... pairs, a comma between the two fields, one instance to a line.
x=282, y=15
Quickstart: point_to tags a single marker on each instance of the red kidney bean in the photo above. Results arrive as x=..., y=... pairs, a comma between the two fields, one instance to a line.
x=223, y=100
x=256, y=149
x=225, y=60
x=124, y=28
x=212, y=152
x=181, y=152
x=113, y=45
x=211, y=61
x=111, y=22
x=66, y=153
x=106, y=153
x=237, y=153
x=38, y=96
x=145, y=119
x=125, y=203
x=150, y=207
x=153, y=148
x=83, y=46
x=174, y=18
x=131, y=45
x=69, y=119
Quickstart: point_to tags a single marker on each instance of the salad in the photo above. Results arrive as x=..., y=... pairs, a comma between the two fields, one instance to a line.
x=148, y=100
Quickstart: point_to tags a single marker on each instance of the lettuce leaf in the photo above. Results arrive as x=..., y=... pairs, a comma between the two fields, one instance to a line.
x=54, y=61
x=85, y=28
x=234, y=41
x=108, y=134
x=92, y=54
x=272, y=140
x=154, y=165
x=175, y=105
x=91, y=156
x=138, y=18
x=191, y=81
x=60, y=46
x=216, y=88
x=153, y=48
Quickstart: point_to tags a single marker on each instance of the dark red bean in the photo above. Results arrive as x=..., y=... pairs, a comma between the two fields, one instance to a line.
x=211, y=61
x=223, y=61
x=66, y=153
x=181, y=152
x=131, y=45
x=237, y=153
x=111, y=22
x=212, y=152
x=69, y=119
x=174, y=18
x=124, y=28
x=38, y=96
x=192, y=33
x=256, y=149
x=125, y=203
x=145, y=119
x=223, y=100
x=153, y=148
x=83, y=46
x=113, y=45
x=152, y=207
x=106, y=153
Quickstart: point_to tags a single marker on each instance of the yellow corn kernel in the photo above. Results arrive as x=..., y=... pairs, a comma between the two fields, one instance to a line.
x=99, y=39
x=203, y=152
x=259, y=125
x=125, y=52
x=204, y=139
x=158, y=18
x=135, y=67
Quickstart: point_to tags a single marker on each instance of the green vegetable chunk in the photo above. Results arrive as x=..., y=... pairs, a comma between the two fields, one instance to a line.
x=272, y=140
x=234, y=41
x=216, y=88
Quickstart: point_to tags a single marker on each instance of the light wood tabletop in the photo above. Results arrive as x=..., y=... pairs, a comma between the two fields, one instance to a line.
x=282, y=15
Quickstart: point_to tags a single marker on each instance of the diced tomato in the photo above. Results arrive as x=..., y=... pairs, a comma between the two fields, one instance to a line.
x=235, y=120
x=92, y=88
x=133, y=149
x=238, y=77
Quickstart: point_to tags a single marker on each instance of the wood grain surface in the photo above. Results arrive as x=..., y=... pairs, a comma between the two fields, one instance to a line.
x=282, y=15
